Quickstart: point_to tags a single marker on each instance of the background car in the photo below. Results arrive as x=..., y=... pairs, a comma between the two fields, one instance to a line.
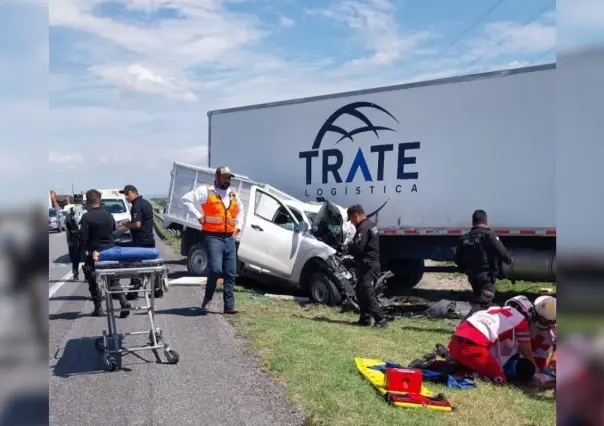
x=56, y=220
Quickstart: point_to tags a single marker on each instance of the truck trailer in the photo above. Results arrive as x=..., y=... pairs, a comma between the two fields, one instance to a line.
x=420, y=157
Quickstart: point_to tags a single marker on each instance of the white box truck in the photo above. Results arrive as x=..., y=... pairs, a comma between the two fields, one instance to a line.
x=421, y=156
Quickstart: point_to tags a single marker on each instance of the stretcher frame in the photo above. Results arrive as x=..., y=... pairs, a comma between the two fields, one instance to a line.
x=153, y=274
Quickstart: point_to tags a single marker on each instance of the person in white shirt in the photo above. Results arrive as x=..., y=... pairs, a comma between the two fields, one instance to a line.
x=219, y=211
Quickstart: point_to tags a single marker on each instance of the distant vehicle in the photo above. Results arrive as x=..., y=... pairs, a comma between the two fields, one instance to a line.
x=56, y=220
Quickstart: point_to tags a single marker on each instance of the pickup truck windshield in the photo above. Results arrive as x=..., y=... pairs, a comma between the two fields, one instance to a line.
x=114, y=205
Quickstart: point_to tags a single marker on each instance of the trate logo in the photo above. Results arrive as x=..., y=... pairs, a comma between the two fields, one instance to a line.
x=351, y=167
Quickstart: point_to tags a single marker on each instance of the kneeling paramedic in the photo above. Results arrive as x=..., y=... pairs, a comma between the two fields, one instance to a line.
x=365, y=249
x=221, y=219
x=97, y=227
x=543, y=333
x=488, y=339
x=478, y=255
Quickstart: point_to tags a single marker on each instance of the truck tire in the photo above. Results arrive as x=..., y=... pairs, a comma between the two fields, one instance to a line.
x=407, y=274
x=198, y=261
x=323, y=291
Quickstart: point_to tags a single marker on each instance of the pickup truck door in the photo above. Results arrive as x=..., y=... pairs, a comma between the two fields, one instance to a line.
x=266, y=246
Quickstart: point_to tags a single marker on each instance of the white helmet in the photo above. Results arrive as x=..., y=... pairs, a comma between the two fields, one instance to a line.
x=545, y=310
x=523, y=305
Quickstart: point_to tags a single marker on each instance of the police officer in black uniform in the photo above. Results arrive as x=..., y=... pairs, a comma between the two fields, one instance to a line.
x=73, y=235
x=97, y=226
x=478, y=255
x=141, y=229
x=365, y=249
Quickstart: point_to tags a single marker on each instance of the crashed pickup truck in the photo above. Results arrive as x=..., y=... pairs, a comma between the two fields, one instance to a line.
x=284, y=241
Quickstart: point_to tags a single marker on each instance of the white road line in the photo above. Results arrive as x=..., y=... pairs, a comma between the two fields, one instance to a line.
x=59, y=284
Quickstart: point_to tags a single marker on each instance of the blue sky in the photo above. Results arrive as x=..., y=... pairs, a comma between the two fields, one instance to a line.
x=131, y=81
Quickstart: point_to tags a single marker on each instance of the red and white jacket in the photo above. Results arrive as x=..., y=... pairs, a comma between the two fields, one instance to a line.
x=542, y=343
x=499, y=329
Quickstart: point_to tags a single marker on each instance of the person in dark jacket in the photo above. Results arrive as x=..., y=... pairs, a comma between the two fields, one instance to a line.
x=141, y=229
x=73, y=234
x=365, y=249
x=478, y=255
x=97, y=226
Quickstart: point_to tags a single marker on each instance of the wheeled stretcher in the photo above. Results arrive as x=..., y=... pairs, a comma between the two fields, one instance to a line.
x=120, y=263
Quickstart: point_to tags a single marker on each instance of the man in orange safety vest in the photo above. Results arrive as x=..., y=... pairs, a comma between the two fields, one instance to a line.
x=219, y=211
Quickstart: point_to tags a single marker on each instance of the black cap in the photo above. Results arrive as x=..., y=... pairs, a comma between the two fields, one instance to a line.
x=129, y=188
x=222, y=170
x=78, y=197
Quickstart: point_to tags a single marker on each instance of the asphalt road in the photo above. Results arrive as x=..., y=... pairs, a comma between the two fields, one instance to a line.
x=215, y=383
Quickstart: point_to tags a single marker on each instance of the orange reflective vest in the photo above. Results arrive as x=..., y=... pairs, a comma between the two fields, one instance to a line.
x=218, y=218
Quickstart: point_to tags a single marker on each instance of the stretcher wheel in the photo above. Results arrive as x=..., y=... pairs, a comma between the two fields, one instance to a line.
x=100, y=345
x=165, y=284
x=111, y=363
x=172, y=356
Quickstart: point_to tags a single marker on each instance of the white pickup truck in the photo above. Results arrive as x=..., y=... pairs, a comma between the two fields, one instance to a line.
x=284, y=240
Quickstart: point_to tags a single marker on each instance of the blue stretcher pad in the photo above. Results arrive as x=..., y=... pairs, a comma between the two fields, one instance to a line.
x=128, y=254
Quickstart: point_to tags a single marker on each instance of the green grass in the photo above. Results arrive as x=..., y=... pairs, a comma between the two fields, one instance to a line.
x=165, y=235
x=311, y=349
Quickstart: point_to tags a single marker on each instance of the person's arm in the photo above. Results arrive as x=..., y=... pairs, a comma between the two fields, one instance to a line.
x=458, y=259
x=85, y=232
x=358, y=243
x=523, y=335
x=499, y=248
x=240, y=215
x=68, y=229
x=136, y=217
x=195, y=198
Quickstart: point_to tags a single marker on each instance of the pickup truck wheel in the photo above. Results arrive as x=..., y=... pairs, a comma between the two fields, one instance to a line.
x=197, y=260
x=323, y=291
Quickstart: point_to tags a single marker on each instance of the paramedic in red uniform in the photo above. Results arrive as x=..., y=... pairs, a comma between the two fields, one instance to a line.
x=543, y=332
x=219, y=211
x=486, y=340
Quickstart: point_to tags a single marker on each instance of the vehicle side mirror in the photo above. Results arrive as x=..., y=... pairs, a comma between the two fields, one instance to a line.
x=301, y=227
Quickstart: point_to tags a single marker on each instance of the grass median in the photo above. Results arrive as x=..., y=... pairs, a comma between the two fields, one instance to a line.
x=312, y=348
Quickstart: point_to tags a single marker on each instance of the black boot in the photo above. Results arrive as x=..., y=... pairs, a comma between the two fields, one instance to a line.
x=383, y=323
x=364, y=320
x=76, y=275
x=98, y=307
x=124, y=305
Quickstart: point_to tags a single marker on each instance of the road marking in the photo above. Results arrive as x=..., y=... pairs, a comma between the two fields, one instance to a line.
x=189, y=281
x=63, y=280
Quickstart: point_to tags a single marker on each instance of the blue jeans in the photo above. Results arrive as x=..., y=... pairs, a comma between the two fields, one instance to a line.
x=222, y=255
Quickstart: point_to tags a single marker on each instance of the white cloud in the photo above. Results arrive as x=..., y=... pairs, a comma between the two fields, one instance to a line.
x=375, y=25
x=286, y=22
x=137, y=78
x=58, y=157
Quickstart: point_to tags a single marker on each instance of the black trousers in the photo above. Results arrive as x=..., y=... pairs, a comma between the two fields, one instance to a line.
x=90, y=277
x=483, y=291
x=365, y=289
x=75, y=255
x=137, y=283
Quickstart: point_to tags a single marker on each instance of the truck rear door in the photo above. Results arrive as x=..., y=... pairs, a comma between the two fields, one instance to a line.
x=270, y=242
